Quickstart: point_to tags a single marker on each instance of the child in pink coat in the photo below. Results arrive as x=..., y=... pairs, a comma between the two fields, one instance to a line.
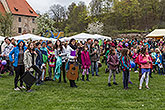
x=145, y=61
x=85, y=63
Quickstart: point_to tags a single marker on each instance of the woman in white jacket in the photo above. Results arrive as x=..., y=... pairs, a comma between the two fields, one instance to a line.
x=72, y=58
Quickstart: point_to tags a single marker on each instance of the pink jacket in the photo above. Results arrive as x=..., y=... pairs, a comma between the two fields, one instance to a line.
x=85, y=60
x=143, y=60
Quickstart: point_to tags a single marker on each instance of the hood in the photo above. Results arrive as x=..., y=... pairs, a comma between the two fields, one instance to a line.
x=21, y=41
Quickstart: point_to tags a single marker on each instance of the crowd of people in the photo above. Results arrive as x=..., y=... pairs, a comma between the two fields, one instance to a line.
x=145, y=57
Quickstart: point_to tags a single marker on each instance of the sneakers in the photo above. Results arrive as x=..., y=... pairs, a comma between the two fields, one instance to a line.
x=140, y=87
x=136, y=71
x=115, y=83
x=147, y=87
x=23, y=87
x=109, y=84
x=130, y=82
x=16, y=89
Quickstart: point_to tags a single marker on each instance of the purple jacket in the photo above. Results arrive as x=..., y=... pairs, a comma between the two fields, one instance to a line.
x=113, y=61
x=85, y=60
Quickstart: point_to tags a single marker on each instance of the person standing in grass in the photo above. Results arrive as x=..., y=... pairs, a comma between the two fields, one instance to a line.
x=60, y=52
x=125, y=64
x=72, y=58
x=85, y=63
x=44, y=52
x=94, y=55
x=39, y=61
x=18, y=63
x=51, y=61
x=158, y=61
x=113, y=65
x=30, y=56
x=145, y=61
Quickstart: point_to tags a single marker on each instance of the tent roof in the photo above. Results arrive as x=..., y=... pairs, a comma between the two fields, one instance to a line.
x=30, y=36
x=157, y=33
x=84, y=36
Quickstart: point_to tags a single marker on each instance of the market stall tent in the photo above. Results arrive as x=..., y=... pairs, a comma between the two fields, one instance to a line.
x=157, y=34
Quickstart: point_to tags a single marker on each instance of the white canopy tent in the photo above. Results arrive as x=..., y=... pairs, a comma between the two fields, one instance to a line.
x=85, y=36
x=32, y=37
x=157, y=33
x=102, y=37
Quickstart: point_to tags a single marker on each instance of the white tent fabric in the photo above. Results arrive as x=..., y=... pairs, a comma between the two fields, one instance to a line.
x=32, y=37
x=102, y=37
x=84, y=36
x=157, y=33
x=2, y=38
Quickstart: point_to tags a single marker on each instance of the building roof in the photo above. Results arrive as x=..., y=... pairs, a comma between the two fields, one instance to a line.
x=20, y=7
x=2, y=9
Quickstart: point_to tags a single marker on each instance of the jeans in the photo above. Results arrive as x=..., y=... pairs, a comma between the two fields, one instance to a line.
x=160, y=70
x=125, y=78
x=19, y=71
x=135, y=68
x=50, y=71
x=63, y=69
x=94, y=65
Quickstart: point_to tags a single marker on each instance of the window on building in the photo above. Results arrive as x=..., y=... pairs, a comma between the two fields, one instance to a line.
x=19, y=30
x=19, y=19
x=33, y=20
x=31, y=11
x=16, y=9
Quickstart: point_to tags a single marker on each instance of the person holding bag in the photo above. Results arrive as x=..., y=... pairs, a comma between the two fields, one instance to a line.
x=29, y=60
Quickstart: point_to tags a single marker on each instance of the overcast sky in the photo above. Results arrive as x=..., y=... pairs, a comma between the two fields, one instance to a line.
x=43, y=5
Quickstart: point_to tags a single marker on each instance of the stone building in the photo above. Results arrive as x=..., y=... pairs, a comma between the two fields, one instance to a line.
x=23, y=15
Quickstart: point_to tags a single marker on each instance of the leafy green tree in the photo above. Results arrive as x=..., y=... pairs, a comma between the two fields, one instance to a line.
x=6, y=22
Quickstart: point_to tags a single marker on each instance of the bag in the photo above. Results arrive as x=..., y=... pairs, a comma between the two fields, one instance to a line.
x=37, y=69
x=28, y=78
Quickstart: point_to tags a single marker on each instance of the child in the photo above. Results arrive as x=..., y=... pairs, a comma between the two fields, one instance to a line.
x=125, y=64
x=158, y=61
x=45, y=58
x=94, y=58
x=145, y=61
x=39, y=61
x=113, y=65
x=134, y=57
x=85, y=63
x=51, y=61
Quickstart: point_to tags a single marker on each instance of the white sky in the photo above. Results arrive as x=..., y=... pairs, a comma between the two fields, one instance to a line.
x=43, y=5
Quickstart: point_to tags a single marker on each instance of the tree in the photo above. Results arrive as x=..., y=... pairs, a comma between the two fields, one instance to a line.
x=6, y=22
x=77, y=17
x=95, y=28
x=44, y=23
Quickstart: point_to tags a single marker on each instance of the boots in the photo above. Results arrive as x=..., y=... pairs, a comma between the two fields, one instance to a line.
x=87, y=77
x=82, y=77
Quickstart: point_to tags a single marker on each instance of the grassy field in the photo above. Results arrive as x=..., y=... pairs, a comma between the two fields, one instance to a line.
x=93, y=95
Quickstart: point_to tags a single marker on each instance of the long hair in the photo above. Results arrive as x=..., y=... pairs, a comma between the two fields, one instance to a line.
x=143, y=51
x=124, y=52
x=60, y=46
x=29, y=46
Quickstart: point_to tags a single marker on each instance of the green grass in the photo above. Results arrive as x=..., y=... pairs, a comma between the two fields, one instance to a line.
x=93, y=95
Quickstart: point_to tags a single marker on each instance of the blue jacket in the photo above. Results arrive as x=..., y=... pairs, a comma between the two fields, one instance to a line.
x=15, y=51
x=39, y=59
x=160, y=58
